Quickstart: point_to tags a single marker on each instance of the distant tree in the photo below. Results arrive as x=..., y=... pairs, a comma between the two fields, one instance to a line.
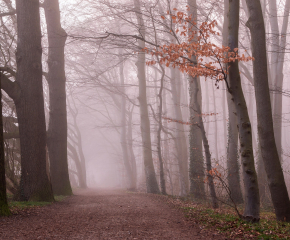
x=74, y=144
x=151, y=181
x=196, y=161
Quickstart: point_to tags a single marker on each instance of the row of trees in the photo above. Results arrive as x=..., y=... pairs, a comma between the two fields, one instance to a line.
x=145, y=62
x=21, y=79
x=151, y=27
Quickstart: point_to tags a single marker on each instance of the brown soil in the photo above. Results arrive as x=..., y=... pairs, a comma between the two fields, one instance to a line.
x=104, y=214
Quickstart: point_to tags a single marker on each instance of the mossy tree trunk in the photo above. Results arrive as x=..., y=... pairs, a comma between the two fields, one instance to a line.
x=4, y=209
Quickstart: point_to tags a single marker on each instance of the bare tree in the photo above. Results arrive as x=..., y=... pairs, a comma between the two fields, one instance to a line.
x=279, y=194
x=57, y=127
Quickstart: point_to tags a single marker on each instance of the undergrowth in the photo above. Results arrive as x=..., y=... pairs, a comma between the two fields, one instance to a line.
x=225, y=221
x=18, y=206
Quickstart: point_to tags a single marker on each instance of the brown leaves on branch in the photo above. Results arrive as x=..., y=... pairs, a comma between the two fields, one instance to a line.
x=197, y=55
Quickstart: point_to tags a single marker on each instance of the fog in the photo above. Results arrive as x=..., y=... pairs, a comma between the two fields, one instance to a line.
x=93, y=61
x=110, y=144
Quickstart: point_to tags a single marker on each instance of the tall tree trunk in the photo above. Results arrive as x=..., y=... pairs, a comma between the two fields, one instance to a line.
x=131, y=151
x=166, y=148
x=269, y=151
x=233, y=175
x=196, y=161
x=34, y=184
x=194, y=88
x=4, y=209
x=129, y=172
x=151, y=181
x=215, y=125
x=252, y=201
x=180, y=141
x=159, y=150
x=78, y=141
x=78, y=164
x=57, y=127
x=278, y=82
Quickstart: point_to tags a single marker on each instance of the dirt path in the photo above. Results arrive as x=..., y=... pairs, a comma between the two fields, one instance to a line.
x=99, y=214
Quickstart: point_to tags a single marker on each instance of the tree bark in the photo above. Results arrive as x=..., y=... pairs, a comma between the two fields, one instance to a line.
x=123, y=136
x=57, y=127
x=180, y=140
x=131, y=151
x=159, y=150
x=279, y=78
x=196, y=161
x=194, y=88
x=4, y=209
x=252, y=201
x=151, y=181
x=34, y=184
x=269, y=151
x=233, y=175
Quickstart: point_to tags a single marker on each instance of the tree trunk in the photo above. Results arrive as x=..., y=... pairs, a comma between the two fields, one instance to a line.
x=182, y=155
x=4, y=209
x=216, y=141
x=79, y=168
x=233, y=175
x=196, y=161
x=76, y=138
x=194, y=88
x=57, y=127
x=159, y=150
x=151, y=181
x=34, y=184
x=129, y=172
x=269, y=151
x=131, y=152
x=278, y=82
x=252, y=201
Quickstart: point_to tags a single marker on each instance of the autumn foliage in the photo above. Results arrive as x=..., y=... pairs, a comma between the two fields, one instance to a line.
x=196, y=54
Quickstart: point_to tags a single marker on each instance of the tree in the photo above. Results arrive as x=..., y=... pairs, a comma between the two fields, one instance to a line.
x=75, y=145
x=252, y=200
x=4, y=209
x=131, y=180
x=233, y=135
x=276, y=79
x=151, y=181
x=27, y=94
x=196, y=169
x=57, y=127
x=276, y=182
x=180, y=55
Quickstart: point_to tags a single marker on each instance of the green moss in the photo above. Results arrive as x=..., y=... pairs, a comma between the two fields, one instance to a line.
x=4, y=210
x=66, y=191
x=43, y=195
x=229, y=223
x=60, y=198
x=28, y=204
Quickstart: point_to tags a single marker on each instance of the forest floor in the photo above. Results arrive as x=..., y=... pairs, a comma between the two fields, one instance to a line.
x=104, y=214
